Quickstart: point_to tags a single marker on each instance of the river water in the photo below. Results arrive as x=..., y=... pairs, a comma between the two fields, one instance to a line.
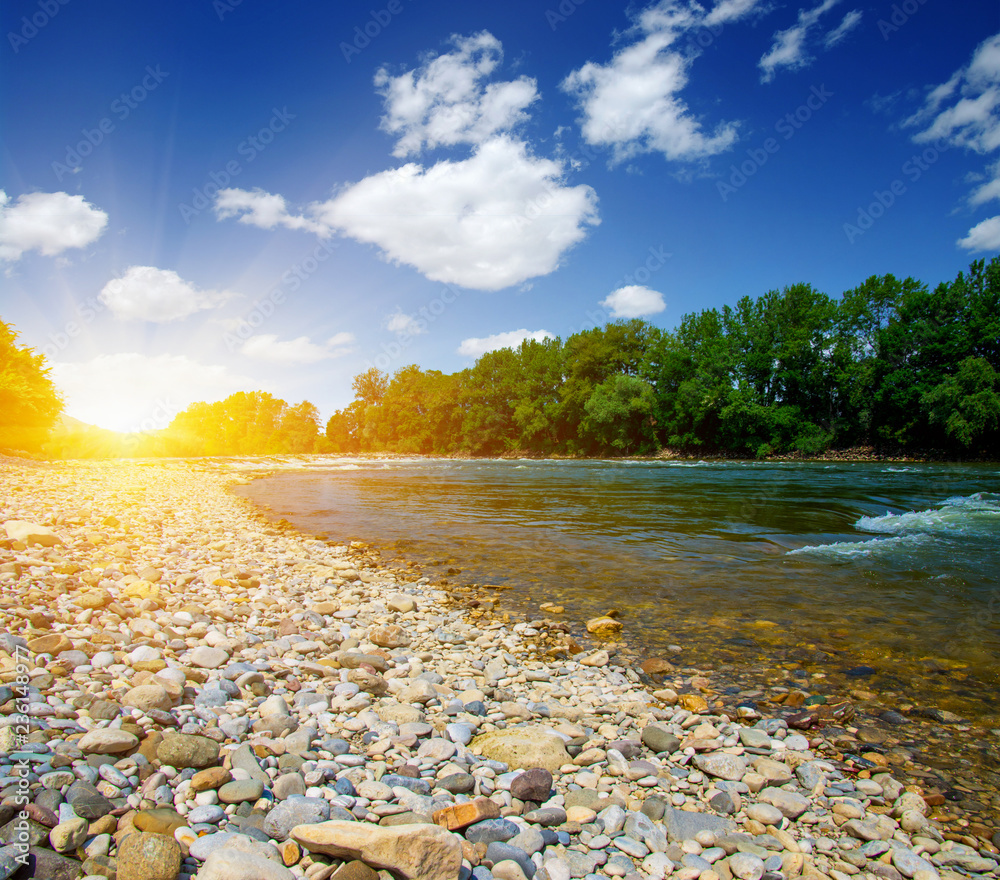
x=883, y=575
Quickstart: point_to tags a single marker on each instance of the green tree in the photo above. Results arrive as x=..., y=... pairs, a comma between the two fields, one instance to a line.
x=29, y=401
x=539, y=395
x=691, y=373
x=344, y=428
x=299, y=429
x=590, y=358
x=489, y=392
x=245, y=423
x=619, y=416
x=967, y=405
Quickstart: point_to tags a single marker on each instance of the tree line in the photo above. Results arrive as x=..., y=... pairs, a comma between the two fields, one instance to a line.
x=890, y=364
x=245, y=423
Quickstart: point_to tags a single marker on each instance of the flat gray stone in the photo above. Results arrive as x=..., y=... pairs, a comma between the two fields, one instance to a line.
x=87, y=801
x=295, y=811
x=240, y=790
x=680, y=825
x=722, y=765
x=244, y=759
x=908, y=862
x=659, y=739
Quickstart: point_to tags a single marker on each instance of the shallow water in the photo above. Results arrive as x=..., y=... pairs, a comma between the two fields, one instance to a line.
x=811, y=569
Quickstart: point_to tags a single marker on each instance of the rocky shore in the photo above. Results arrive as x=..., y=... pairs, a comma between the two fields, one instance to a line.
x=189, y=691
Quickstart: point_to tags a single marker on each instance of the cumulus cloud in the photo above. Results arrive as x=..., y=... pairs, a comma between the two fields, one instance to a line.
x=964, y=111
x=145, y=293
x=984, y=236
x=405, y=325
x=790, y=48
x=49, y=223
x=495, y=219
x=447, y=101
x=477, y=346
x=634, y=301
x=258, y=208
x=487, y=222
x=633, y=104
x=267, y=347
x=132, y=391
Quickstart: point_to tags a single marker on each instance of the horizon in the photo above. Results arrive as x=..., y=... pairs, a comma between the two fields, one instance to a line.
x=237, y=198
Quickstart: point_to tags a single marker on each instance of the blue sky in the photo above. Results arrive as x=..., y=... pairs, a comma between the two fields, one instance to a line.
x=208, y=196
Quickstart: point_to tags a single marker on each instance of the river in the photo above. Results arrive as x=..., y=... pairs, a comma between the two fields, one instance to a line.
x=885, y=575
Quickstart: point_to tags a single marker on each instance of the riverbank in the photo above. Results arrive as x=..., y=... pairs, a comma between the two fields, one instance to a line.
x=209, y=690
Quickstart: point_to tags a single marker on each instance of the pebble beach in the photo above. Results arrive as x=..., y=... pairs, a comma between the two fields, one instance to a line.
x=188, y=690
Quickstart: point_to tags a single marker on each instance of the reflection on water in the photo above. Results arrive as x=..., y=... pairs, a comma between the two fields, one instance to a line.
x=892, y=566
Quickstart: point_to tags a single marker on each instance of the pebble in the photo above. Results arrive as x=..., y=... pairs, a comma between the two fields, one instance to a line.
x=143, y=856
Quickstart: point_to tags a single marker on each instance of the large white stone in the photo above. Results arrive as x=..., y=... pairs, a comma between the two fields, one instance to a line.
x=413, y=852
x=208, y=658
x=523, y=748
x=107, y=741
x=30, y=533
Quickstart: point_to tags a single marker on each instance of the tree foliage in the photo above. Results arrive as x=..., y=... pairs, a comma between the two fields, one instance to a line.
x=890, y=364
x=245, y=423
x=29, y=401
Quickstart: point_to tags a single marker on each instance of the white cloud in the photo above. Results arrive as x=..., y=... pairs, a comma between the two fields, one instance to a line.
x=634, y=301
x=259, y=208
x=984, y=236
x=446, y=100
x=848, y=24
x=496, y=219
x=732, y=10
x=267, y=347
x=404, y=325
x=790, y=46
x=145, y=293
x=47, y=222
x=487, y=222
x=339, y=340
x=477, y=346
x=132, y=391
x=988, y=191
x=973, y=120
x=632, y=104
x=964, y=111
